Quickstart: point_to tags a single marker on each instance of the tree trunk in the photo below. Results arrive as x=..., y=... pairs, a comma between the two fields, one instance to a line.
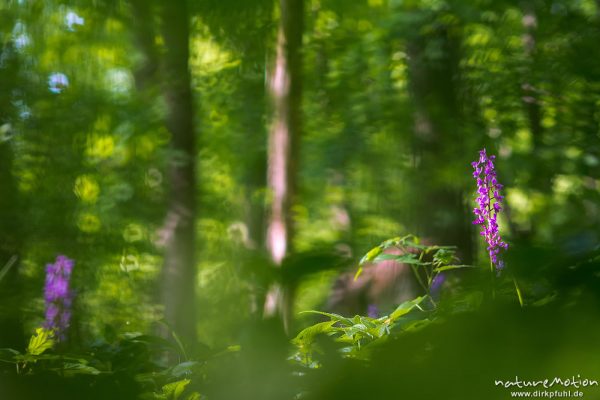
x=146, y=70
x=532, y=109
x=11, y=334
x=440, y=211
x=254, y=177
x=285, y=89
x=530, y=92
x=11, y=233
x=179, y=273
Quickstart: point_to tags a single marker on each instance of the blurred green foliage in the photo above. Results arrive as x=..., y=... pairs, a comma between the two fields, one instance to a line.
x=398, y=97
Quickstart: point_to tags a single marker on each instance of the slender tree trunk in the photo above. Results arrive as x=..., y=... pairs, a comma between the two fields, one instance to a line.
x=144, y=33
x=440, y=211
x=11, y=332
x=253, y=92
x=11, y=233
x=254, y=178
x=285, y=89
x=530, y=98
x=179, y=273
x=531, y=106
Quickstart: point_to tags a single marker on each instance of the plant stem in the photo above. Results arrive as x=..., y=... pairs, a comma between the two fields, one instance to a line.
x=518, y=290
x=492, y=279
x=418, y=276
x=489, y=206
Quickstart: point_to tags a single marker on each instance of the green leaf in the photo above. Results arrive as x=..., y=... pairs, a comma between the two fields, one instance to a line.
x=357, y=331
x=183, y=368
x=174, y=390
x=307, y=335
x=545, y=300
x=368, y=322
x=370, y=256
x=180, y=345
x=71, y=369
x=149, y=340
x=40, y=342
x=416, y=325
x=335, y=317
x=9, y=355
x=405, y=308
x=391, y=242
x=444, y=256
x=358, y=272
x=518, y=290
x=449, y=267
x=403, y=258
x=11, y=351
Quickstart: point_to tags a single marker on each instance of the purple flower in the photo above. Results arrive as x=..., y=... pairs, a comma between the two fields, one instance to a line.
x=57, y=296
x=436, y=284
x=372, y=311
x=489, y=205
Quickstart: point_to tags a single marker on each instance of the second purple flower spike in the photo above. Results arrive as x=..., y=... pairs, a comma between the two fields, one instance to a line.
x=58, y=296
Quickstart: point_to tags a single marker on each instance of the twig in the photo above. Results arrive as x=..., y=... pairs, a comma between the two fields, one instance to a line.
x=8, y=266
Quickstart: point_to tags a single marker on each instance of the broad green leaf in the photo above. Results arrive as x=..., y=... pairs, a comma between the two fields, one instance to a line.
x=307, y=335
x=40, y=342
x=174, y=390
x=405, y=308
x=183, y=368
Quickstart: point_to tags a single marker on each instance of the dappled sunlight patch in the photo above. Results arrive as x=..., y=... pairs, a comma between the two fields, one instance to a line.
x=119, y=81
x=208, y=57
x=88, y=222
x=100, y=146
x=567, y=185
x=134, y=232
x=86, y=188
x=377, y=226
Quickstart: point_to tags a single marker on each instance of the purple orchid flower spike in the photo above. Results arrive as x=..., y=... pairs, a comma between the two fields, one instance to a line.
x=489, y=205
x=58, y=296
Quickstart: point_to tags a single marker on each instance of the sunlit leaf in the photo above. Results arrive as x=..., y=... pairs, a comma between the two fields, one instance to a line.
x=174, y=390
x=41, y=341
x=406, y=307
